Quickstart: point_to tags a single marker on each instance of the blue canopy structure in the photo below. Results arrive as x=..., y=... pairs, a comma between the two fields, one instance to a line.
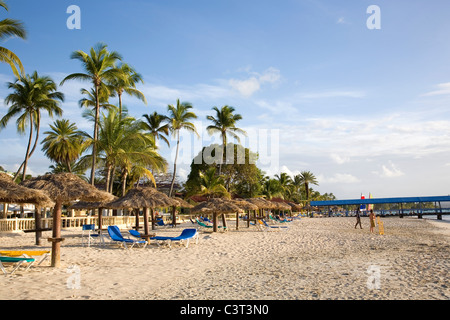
x=380, y=200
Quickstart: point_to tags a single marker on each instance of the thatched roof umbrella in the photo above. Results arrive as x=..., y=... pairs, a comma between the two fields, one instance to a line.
x=245, y=205
x=216, y=206
x=11, y=192
x=92, y=205
x=262, y=203
x=64, y=188
x=295, y=206
x=183, y=203
x=146, y=198
x=281, y=205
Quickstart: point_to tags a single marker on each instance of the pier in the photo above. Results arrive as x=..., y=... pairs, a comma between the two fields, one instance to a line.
x=420, y=211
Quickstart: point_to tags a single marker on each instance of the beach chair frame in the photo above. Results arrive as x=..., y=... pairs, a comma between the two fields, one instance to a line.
x=17, y=262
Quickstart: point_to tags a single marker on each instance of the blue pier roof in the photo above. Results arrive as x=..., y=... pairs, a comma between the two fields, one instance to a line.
x=380, y=200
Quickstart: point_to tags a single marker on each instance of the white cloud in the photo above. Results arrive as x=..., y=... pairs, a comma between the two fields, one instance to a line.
x=247, y=87
x=333, y=94
x=338, y=178
x=339, y=159
x=390, y=171
x=341, y=20
x=443, y=89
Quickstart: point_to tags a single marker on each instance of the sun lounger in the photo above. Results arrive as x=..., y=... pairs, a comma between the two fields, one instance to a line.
x=267, y=227
x=160, y=222
x=208, y=226
x=116, y=235
x=206, y=219
x=186, y=235
x=16, y=261
x=88, y=230
x=27, y=254
x=277, y=219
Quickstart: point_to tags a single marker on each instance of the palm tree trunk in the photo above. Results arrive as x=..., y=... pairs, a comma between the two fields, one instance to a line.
x=307, y=192
x=94, y=149
x=120, y=105
x=175, y=165
x=34, y=146
x=108, y=177
x=28, y=148
x=111, y=183
x=224, y=142
x=124, y=182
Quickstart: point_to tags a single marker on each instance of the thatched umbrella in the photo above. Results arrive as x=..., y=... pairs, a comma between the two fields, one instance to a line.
x=93, y=205
x=281, y=205
x=216, y=206
x=245, y=205
x=11, y=192
x=146, y=198
x=261, y=203
x=183, y=203
x=295, y=206
x=64, y=188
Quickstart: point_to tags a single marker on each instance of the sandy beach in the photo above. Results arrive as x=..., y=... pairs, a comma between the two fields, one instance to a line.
x=320, y=258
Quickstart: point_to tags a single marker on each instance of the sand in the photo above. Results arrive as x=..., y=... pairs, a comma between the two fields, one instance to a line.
x=320, y=258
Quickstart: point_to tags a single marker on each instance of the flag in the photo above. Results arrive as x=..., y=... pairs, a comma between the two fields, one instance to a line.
x=370, y=206
x=363, y=206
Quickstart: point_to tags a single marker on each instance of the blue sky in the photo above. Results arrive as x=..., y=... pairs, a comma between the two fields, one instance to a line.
x=364, y=110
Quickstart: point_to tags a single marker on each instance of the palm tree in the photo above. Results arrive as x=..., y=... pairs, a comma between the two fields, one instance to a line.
x=285, y=182
x=100, y=68
x=11, y=28
x=211, y=185
x=123, y=144
x=64, y=143
x=271, y=188
x=178, y=119
x=127, y=83
x=308, y=178
x=31, y=95
x=154, y=125
x=225, y=123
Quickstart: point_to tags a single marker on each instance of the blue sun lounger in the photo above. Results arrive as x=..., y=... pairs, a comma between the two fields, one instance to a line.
x=116, y=235
x=186, y=235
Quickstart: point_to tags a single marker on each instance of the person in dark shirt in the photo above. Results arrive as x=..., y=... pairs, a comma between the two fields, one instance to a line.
x=358, y=219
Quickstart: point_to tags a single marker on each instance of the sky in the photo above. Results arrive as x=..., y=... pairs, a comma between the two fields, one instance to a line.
x=365, y=110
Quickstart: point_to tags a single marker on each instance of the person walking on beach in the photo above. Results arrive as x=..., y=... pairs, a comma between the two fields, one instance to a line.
x=358, y=219
x=372, y=220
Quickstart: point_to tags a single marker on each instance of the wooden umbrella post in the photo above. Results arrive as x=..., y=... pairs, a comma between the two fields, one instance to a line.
x=224, y=221
x=100, y=222
x=152, y=216
x=146, y=231
x=174, y=216
x=37, y=222
x=136, y=212
x=215, y=221
x=56, y=235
